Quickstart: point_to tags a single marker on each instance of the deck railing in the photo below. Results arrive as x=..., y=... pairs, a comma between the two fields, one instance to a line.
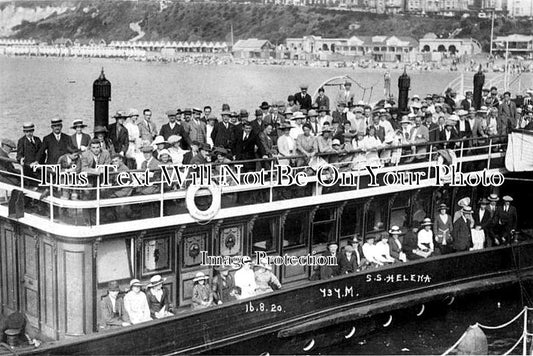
x=96, y=205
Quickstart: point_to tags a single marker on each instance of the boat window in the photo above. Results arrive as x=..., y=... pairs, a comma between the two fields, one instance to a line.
x=156, y=255
x=422, y=207
x=193, y=245
x=294, y=230
x=324, y=226
x=376, y=216
x=351, y=220
x=113, y=260
x=400, y=210
x=264, y=234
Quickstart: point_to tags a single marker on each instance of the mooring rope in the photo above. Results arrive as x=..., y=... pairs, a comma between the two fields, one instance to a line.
x=502, y=325
x=457, y=343
x=514, y=346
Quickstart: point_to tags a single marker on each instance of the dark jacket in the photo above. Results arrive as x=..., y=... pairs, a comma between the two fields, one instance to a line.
x=462, y=236
x=222, y=136
x=222, y=288
x=155, y=305
x=120, y=142
x=453, y=136
x=347, y=266
x=485, y=222
x=85, y=140
x=28, y=150
x=305, y=102
x=327, y=271
x=178, y=129
x=53, y=149
x=246, y=149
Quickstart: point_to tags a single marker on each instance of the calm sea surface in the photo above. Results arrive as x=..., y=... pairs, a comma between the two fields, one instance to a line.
x=38, y=89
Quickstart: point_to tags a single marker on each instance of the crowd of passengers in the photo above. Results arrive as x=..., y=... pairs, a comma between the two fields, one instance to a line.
x=489, y=224
x=231, y=282
x=301, y=131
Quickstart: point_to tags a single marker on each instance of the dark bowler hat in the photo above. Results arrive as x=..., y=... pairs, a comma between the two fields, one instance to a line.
x=77, y=123
x=100, y=129
x=234, y=114
x=443, y=206
x=258, y=112
x=28, y=126
x=264, y=105
x=205, y=147
x=55, y=122
x=113, y=286
x=244, y=113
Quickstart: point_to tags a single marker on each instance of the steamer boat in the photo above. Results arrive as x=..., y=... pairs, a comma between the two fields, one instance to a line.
x=58, y=254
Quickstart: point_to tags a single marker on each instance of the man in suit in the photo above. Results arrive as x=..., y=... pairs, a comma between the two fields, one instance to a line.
x=54, y=145
x=346, y=96
x=492, y=100
x=203, y=155
x=327, y=271
x=419, y=134
x=276, y=119
x=113, y=314
x=94, y=156
x=27, y=148
x=245, y=147
x=152, y=164
x=380, y=130
x=267, y=144
x=322, y=100
x=507, y=219
x=507, y=113
x=482, y=217
x=258, y=124
x=6, y=147
x=468, y=101
x=80, y=140
x=463, y=126
x=462, y=236
x=222, y=134
x=303, y=99
x=174, y=127
x=147, y=129
x=197, y=129
x=118, y=134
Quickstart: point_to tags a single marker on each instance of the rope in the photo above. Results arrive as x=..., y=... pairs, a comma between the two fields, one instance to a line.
x=458, y=342
x=503, y=325
x=514, y=346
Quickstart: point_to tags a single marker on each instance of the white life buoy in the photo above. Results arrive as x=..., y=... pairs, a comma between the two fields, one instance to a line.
x=213, y=208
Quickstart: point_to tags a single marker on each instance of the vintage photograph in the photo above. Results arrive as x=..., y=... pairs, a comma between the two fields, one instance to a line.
x=266, y=177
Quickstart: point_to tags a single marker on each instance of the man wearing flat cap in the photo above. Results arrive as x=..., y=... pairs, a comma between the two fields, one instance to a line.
x=118, y=133
x=54, y=145
x=6, y=147
x=113, y=314
x=303, y=99
x=27, y=148
x=196, y=129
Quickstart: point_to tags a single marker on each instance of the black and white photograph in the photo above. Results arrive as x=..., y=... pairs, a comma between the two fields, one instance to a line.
x=266, y=177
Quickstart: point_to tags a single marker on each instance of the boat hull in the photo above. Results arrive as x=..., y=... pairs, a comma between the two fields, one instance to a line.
x=311, y=306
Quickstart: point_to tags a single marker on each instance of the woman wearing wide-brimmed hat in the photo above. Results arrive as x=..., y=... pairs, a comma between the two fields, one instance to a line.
x=265, y=280
x=158, y=298
x=202, y=296
x=136, y=304
x=175, y=150
x=100, y=133
x=442, y=230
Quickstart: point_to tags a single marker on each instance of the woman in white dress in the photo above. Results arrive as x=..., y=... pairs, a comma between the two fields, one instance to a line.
x=175, y=150
x=371, y=144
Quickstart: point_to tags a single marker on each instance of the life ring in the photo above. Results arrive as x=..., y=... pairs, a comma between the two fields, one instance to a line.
x=213, y=209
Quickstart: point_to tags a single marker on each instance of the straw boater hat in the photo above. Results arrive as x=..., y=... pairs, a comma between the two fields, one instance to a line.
x=507, y=198
x=197, y=110
x=200, y=276
x=326, y=129
x=159, y=140
x=312, y=113
x=462, y=112
x=77, y=123
x=55, y=122
x=135, y=283
x=464, y=201
x=155, y=280
x=298, y=115
x=173, y=139
x=395, y=230
x=121, y=114
x=405, y=120
x=28, y=126
x=466, y=210
x=493, y=197
x=449, y=122
x=426, y=222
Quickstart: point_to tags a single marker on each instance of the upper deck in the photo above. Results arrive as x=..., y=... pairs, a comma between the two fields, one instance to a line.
x=86, y=212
